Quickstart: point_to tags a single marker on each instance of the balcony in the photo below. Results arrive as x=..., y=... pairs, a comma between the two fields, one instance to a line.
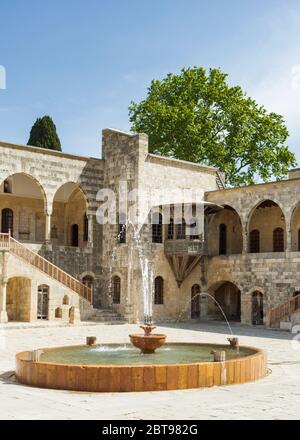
x=185, y=247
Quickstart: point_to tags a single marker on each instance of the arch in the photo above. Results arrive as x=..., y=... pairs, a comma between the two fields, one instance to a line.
x=7, y=221
x=295, y=228
x=278, y=240
x=195, y=301
x=69, y=208
x=254, y=241
x=159, y=290
x=18, y=186
x=225, y=235
x=266, y=217
x=66, y=300
x=228, y=295
x=74, y=235
x=257, y=308
x=18, y=299
x=116, y=289
x=58, y=313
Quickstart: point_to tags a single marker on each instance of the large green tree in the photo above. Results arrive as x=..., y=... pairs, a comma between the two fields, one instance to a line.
x=43, y=134
x=197, y=116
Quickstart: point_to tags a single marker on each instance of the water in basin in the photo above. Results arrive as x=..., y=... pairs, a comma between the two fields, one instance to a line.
x=126, y=354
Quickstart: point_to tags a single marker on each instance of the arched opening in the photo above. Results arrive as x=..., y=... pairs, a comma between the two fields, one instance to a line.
x=295, y=229
x=23, y=203
x=269, y=220
x=69, y=216
x=229, y=298
x=7, y=221
x=278, y=240
x=257, y=308
x=222, y=239
x=74, y=235
x=66, y=300
x=116, y=289
x=225, y=232
x=58, y=313
x=157, y=229
x=18, y=299
x=195, y=301
x=254, y=241
x=43, y=302
x=88, y=281
x=158, y=290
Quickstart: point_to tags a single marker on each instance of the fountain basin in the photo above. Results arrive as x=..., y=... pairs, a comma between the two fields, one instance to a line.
x=121, y=368
x=148, y=343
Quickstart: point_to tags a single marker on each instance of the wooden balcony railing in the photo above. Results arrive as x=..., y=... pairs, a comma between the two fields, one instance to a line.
x=182, y=247
x=284, y=310
x=8, y=243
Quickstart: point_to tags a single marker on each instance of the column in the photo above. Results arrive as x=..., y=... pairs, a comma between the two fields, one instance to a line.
x=3, y=287
x=48, y=227
x=245, y=238
x=90, y=229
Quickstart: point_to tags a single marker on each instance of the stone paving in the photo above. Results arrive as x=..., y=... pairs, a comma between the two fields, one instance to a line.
x=275, y=397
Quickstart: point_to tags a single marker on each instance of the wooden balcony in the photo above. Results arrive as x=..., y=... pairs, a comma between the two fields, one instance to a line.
x=185, y=247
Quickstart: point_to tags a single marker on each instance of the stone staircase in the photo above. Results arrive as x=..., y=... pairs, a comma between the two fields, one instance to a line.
x=106, y=316
x=286, y=315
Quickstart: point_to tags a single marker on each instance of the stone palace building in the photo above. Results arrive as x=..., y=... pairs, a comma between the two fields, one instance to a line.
x=59, y=263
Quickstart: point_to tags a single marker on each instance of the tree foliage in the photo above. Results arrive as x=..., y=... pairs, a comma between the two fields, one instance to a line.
x=43, y=134
x=197, y=116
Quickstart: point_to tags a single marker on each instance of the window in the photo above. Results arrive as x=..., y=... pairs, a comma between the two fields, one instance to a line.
x=74, y=235
x=7, y=221
x=181, y=230
x=157, y=228
x=7, y=187
x=85, y=228
x=255, y=241
x=121, y=233
x=194, y=229
x=158, y=290
x=195, y=301
x=116, y=289
x=278, y=240
x=222, y=239
x=171, y=229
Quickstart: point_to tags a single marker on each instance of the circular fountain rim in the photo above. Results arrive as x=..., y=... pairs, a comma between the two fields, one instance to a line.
x=256, y=351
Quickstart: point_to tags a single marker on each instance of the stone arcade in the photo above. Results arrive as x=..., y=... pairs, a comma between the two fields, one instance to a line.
x=56, y=258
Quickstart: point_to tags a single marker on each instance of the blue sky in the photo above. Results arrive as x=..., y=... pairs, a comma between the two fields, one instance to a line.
x=82, y=62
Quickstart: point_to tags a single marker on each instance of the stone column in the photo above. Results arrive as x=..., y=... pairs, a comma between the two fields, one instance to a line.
x=245, y=238
x=48, y=227
x=90, y=229
x=3, y=287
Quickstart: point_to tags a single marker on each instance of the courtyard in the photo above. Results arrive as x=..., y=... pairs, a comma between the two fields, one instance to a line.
x=275, y=397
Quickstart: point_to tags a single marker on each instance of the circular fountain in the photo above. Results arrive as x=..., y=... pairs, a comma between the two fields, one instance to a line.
x=123, y=367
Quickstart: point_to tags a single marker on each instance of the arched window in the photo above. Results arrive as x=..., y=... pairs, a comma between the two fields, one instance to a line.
x=171, y=229
x=278, y=240
x=222, y=239
x=158, y=290
x=7, y=221
x=181, y=229
x=255, y=241
x=7, y=186
x=157, y=228
x=74, y=235
x=85, y=228
x=121, y=233
x=116, y=289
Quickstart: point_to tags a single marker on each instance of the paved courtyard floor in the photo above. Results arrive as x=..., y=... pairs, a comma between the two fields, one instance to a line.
x=275, y=397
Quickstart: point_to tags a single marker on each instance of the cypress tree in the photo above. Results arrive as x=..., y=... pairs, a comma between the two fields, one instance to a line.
x=43, y=134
